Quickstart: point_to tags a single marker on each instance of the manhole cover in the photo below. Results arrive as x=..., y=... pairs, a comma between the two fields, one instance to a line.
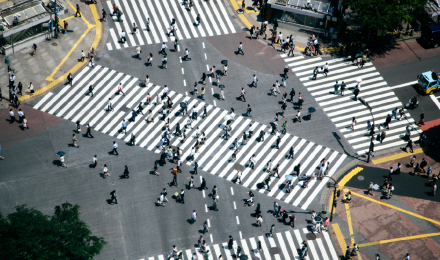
x=238, y=167
x=311, y=236
x=54, y=44
x=273, y=250
x=361, y=178
x=97, y=58
x=125, y=109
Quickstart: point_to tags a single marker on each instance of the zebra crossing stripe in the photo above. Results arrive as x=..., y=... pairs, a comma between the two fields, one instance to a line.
x=226, y=16
x=311, y=246
x=302, y=63
x=351, y=80
x=254, y=246
x=191, y=21
x=152, y=29
x=283, y=246
x=156, y=19
x=227, y=252
x=131, y=18
x=291, y=244
x=141, y=22
x=264, y=247
x=330, y=246
x=117, y=25
x=43, y=100
x=114, y=38
x=209, y=14
x=125, y=24
x=217, y=250
x=178, y=21
x=204, y=20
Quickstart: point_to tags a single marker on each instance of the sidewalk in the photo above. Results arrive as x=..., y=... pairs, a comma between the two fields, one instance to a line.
x=408, y=222
x=55, y=58
x=328, y=46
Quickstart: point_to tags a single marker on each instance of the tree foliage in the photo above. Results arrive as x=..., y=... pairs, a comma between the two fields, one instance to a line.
x=28, y=234
x=385, y=14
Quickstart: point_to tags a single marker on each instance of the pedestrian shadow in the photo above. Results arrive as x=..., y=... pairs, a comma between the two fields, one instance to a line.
x=91, y=165
x=56, y=163
x=189, y=221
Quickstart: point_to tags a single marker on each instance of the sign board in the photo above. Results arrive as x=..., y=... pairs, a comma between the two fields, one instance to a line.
x=57, y=10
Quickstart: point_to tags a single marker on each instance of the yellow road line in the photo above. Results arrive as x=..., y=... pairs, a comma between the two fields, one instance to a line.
x=82, y=16
x=241, y=16
x=339, y=237
x=398, y=239
x=396, y=208
x=67, y=18
x=399, y=155
x=350, y=226
x=75, y=68
x=344, y=181
x=1, y=1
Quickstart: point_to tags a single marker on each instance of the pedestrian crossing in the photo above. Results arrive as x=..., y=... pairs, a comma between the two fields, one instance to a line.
x=214, y=21
x=341, y=109
x=283, y=245
x=215, y=156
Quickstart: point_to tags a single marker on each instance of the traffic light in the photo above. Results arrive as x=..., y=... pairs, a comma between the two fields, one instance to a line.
x=338, y=193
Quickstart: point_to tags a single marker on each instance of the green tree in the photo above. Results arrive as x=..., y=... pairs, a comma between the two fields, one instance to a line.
x=28, y=234
x=382, y=15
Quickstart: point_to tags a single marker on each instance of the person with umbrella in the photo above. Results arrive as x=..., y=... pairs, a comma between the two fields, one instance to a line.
x=61, y=154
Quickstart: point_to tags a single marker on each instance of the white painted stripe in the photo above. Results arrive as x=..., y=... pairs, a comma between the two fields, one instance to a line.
x=216, y=250
x=283, y=246
x=331, y=68
x=43, y=100
x=260, y=167
x=322, y=79
x=348, y=92
x=80, y=105
x=264, y=247
x=340, y=99
x=369, y=99
x=313, y=181
x=282, y=173
x=114, y=38
x=160, y=257
x=277, y=257
x=358, y=132
x=332, y=71
x=321, y=246
x=385, y=142
x=191, y=20
x=156, y=20
x=311, y=246
x=207, y=248
x=113, y=122
x=238, y=156
x=130, y=16
x=226, y=16
x=64, y=89
x=435, y=100
x=298, y=236
x=310, y=171
x=272, y=242
x=149, y=258
x=238, y=221
x=405, y=84
x=366, y=111
x=330, y=246
x=209, y=14
x=324, y=181
x=308, y=66
x=204, y=20
x=118, y=28
x=166, y=23
x=303, y=62
x=126, y=25
x=254, y=247
x=219, y=152
x=188, y=253
x=220, y=140
x=366, y=139
x=216, y=14
x=284, y=55
x=74, y=99
x=293, y=165
x=291, y=244
x=350, y=82
x=293, y=58
x=227, y=251
x=101, y=106
x=178, y=21
x=140, y=95
x=152, y=29
x=245, y=247
x=117, y=105
x=138, y=123
x=142, y=25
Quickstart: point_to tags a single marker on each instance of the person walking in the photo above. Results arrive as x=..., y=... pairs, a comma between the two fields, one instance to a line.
x=113, y=197
x=182, y=196
x=109, y=106
x=370, y=189
x=63, y=164
x=336, y=86
x=196, y=167
x=193, y=217
x=409, y=146
x=78, y=12
x=243, y=92
x=254, y=81
x=231, y=239
x=325, y=72
x=382, y=136
x=252, y=161
x=315, y=73
x=249, y=110
x=353, y=123
x=240, y=49
x=198, y=19
x=292, y=94
x=115, y=148
x=356, y=93
x=74, y=144
x=406, y=257
x=422, y=119
x=291, y=152
x=88, y=132
x=343, y=88
x=272, y=230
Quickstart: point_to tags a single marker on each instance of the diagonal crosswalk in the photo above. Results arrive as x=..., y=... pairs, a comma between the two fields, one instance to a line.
x=214, y=21
x=215, y=156
x=341, y=109
x=283, y=245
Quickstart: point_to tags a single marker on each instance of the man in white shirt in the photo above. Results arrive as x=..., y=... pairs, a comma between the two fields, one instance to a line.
x=11, y=114
x=138, y=52
x=109, y=107
x=123, y=37
x=115, y=148
x=185, y=54
x=193, y=217
x=95, y=161
x=280, y=37
x=162, y=49
x=250, y=130
x=325, y=69
x=193, y=152
x=194, y=113
x=252, y=160
x=238, y=179
x=20, y=115
x=124, y=126
x=83, y=56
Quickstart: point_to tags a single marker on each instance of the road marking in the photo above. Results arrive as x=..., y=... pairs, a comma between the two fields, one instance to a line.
x=210, y=236
x=180, y=59
x=238, y=221
x=339, y=237
x=350, y=226
x=396, y=208
x=235, y=206
x=184, y=83
x=203, y=44
x=232, y=191
x=240, y=235
x=344, y=180
x=206, y=208
x=183, y=72
x=405, y=84
x=434, y=99
x=399, y=155
x=43, y=100
x=206, y=57
x=215, y=104
x=398, y=239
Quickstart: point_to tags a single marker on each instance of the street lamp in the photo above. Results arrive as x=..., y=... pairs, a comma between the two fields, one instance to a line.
x=334, y=197
x=371, y=139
